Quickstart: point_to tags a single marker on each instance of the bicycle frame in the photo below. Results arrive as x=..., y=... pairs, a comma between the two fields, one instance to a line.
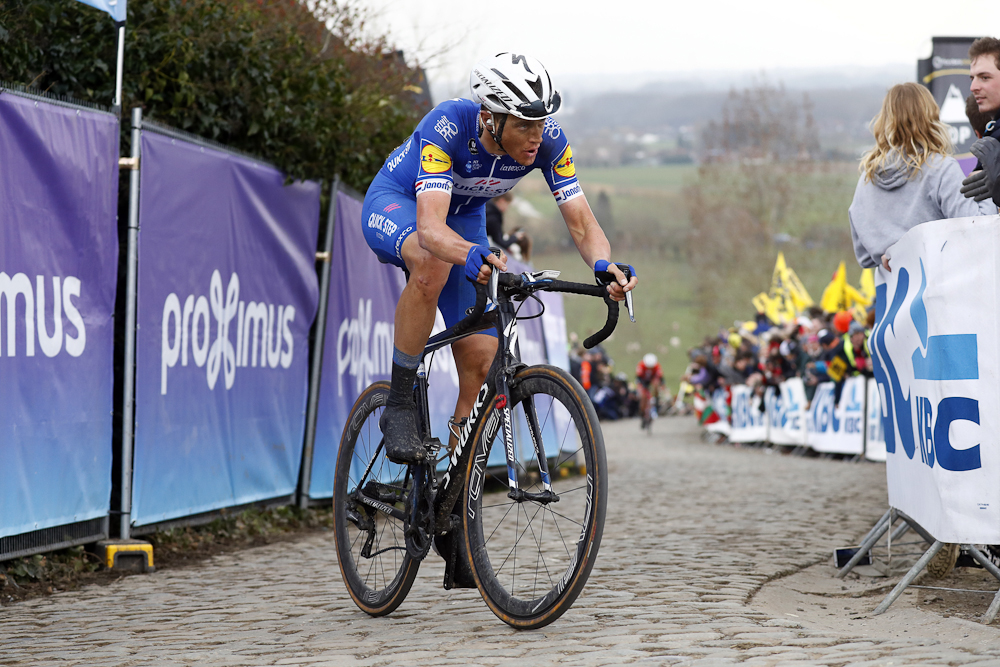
x=506, y=363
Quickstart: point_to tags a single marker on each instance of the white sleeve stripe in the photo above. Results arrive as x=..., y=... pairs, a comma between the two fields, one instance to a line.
x=434, y=185
x=567, y=192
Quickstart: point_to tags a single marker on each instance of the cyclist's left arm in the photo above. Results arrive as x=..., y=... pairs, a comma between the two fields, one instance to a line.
x=592, y=243
x=556, y=162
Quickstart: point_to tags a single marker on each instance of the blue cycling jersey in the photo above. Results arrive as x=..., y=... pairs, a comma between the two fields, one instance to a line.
x=444, y=154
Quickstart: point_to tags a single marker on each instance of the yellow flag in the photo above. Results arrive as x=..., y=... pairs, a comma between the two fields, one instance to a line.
x=867, y=284
x=799, y=293
x=839, y=295
x=787, y=297
x=772, y=308
x=833, y=295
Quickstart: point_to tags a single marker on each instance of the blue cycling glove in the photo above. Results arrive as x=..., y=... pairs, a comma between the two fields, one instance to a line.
x=605, y=277
x=475, y=260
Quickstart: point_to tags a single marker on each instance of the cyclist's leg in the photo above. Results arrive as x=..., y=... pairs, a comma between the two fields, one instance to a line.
x=389, y=225
x=473, y=356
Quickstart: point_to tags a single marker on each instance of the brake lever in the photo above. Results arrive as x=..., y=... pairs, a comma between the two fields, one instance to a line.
x=494, y=283
x=628, y=305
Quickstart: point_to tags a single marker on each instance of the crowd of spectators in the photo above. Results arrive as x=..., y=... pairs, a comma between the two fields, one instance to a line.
x=817, y=347
x=908, y=178
x=613, y=395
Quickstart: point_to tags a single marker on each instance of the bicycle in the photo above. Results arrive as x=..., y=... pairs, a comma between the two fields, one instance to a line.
x=650, y=400
x=527, y=531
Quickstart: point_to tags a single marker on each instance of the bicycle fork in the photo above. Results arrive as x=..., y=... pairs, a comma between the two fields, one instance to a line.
x=510, y=343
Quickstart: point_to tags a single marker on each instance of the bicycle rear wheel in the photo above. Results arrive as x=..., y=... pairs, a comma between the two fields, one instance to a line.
x=531, y=558
x=369, y=503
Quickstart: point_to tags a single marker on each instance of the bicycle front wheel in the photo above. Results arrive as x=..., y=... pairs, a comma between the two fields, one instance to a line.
x=370, y=495
x=531, y=557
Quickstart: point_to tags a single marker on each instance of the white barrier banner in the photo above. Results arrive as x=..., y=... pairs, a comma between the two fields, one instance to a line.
x=791, y=428
x=774, y=410
x=749, y=423
x=874, y=435
x=721, y=408
x=935, y=351
x=838, y=427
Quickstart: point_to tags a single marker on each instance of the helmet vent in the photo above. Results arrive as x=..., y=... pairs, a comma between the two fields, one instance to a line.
x=495, y=100
x=536, y=87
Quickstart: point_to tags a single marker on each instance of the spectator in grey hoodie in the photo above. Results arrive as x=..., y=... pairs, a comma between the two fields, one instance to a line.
x=909, y=177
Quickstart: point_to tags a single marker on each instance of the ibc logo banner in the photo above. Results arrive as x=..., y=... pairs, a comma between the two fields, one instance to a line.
x=749, y=423
x=834, y=427
x=786, y=413
x=227, y=295
x=934, y=348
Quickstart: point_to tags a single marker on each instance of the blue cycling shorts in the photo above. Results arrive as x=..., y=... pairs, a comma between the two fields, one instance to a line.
x=389, y=217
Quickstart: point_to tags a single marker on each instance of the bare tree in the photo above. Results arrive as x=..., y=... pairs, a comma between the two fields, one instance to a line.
x=752, y=161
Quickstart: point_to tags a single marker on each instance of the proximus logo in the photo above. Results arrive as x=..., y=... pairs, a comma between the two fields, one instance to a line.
x=939, y=358
x=259, y=327
x=50, y=339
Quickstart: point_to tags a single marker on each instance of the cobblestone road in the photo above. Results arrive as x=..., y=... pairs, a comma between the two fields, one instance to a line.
x=694, y=531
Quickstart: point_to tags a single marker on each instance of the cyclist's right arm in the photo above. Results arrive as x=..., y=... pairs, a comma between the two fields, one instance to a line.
x=437, y=238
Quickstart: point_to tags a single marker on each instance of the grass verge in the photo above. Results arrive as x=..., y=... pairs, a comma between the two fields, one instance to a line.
x=68, y=569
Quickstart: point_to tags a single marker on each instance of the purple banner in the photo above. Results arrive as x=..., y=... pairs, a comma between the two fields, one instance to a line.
x=58, y=263
x=227, y=295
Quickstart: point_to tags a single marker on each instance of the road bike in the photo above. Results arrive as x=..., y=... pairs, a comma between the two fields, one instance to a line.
x=650, y=399
x=525, y=527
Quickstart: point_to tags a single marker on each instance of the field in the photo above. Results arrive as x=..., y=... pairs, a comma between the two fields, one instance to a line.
x=645, y=212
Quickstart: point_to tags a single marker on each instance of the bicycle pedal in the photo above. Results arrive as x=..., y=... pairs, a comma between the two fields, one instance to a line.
x=433, y=445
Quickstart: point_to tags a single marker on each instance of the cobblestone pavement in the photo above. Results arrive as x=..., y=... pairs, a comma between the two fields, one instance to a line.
x=694, y=531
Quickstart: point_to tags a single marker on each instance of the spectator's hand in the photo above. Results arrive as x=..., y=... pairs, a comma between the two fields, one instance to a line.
x=885, y=263
x=987, y=150
x=977, y=185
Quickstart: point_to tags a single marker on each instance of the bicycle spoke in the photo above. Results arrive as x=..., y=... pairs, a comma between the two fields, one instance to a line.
x=513, y=549
x=565, y=517
x=562, y=537
x=538, y=543
x=512, y=503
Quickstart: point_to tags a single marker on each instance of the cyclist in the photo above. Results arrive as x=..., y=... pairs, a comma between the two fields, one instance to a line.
x=649, y=378
x=424, y=212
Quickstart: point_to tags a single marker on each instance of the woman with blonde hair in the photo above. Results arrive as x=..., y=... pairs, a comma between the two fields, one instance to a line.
x=909, y=177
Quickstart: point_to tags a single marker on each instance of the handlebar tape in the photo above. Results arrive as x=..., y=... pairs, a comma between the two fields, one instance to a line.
x=609, y=326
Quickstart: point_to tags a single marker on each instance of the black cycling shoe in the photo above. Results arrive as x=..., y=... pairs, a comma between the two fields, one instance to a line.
x=399, y=428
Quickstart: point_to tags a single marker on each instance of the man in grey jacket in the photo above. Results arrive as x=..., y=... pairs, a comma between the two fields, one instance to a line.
x=984, y=70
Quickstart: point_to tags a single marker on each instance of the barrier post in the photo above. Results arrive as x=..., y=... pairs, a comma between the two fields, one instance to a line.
x=128, y=399
x=305, y=473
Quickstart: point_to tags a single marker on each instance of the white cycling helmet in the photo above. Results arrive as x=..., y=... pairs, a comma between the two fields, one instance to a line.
x=649, y=360
x=516, y=85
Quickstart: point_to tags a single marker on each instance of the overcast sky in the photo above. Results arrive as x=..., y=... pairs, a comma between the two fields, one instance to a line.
x=630, y=36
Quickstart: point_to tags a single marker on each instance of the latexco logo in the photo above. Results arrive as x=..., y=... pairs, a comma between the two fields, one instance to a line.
x=263, y=333
x=36, y=316
x=944, y=357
